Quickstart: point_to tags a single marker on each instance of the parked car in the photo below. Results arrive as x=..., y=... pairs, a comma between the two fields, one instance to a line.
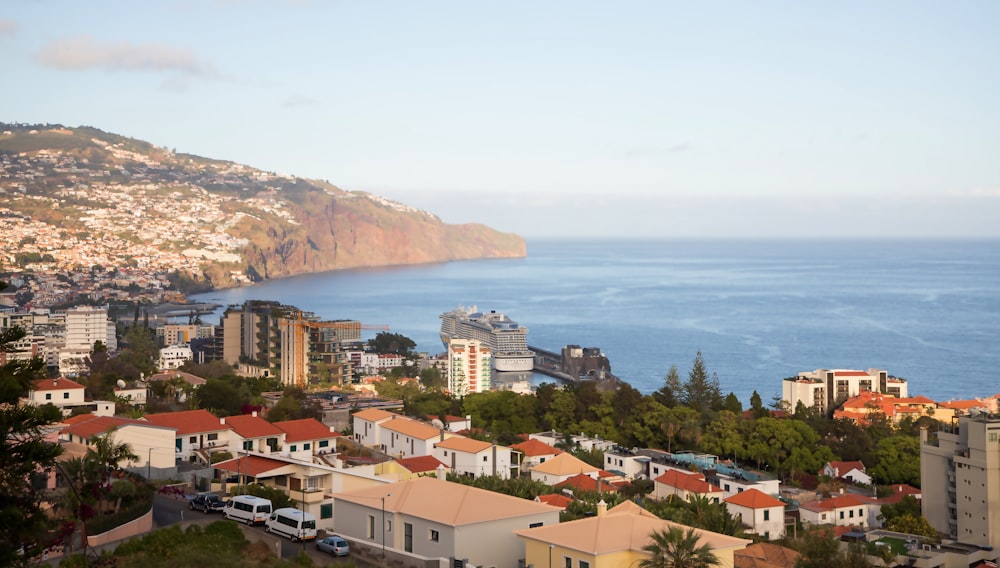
x=207, y=503
x=335, y=545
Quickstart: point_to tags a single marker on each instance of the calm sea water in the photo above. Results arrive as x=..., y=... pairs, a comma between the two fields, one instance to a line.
x=757, y=310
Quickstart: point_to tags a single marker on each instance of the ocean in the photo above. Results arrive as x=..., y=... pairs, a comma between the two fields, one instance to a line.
x=757, y=310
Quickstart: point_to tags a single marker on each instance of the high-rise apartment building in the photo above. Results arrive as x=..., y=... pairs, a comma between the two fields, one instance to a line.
x=960, y=480
x=469, y=366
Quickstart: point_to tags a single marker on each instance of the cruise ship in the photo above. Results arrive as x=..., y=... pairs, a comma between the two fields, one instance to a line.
x=504, y=336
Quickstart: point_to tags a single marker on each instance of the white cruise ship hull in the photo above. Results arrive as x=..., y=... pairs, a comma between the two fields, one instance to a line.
x=518, y=363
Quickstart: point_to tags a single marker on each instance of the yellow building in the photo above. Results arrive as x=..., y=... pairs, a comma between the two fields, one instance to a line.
x=612, y=539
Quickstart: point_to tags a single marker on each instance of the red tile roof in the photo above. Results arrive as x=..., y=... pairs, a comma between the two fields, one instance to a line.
x=188, y=421
x=690, y=482
x=838, y=502
x=420, y=464
x=851, y=374
x=58, y=383
x=250, y=426
x=555, y=499
x=844, y=467
x=583, y=482
x=97, y=425
x=532, y=448
x=754, y=499
x=306, y=429
x=250, y=465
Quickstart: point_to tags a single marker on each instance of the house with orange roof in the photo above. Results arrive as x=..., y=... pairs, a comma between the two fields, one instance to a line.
x=535, y=452
x=433, y=518
x=405, y=437
x=407, y=468
x=152, y=444
x=847, y=510
x=251, y=433
x=475, y=458
x=197, y=432
x=307, y=437
x=684, y=485
x=561, y=468
x=367, y=425
x=66, y=395
x=861, y=407
x=555, y=499
x=766, y=555
x=584, y=482
x=615, y=537
x=849, y=471
x=761, y=513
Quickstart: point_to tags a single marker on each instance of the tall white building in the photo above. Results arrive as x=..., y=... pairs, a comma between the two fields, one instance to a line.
x=86, y=325
x=469, y=366
x=825, y=389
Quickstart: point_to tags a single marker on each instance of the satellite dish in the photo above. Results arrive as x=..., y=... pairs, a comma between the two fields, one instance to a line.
x=121, y=383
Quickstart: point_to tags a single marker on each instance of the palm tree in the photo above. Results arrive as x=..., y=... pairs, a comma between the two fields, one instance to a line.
x=675, y=548
x=109, y=456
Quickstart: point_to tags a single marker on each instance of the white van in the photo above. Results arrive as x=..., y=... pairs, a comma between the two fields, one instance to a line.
x=247, y=508
x=293, y=523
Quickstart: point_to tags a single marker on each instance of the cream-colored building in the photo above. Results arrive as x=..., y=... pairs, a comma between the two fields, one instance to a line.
x=561, y=468
x=474, y=458
x=434, y=518
x=759, y=512
x=826, y=388
x=469, y=367
x=367, y=426
x=405, y=437
x=960, y=480
x=614, y=538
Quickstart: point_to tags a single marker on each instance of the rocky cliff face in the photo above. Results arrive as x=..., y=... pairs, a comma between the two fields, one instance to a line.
x=338, y=230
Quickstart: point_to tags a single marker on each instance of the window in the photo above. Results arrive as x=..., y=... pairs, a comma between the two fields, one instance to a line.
x=567, y=562
x=533, y=525
x=248, y=445
x=371, y=526
x=852, y=514
x=306, y=446
x=485, y=458
x=324, y=443
x=213, y=437
x=408, y=537
x=767, y=515
x=48, y=396
x=388, y=525
x=294, y=448
x=435, y=536
x=860, y=514
x=584, y=564
x=842, y=514
x=193, y=440
x=65, y=395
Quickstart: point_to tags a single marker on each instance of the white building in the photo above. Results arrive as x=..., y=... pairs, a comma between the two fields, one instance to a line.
x=174, y=356
x=825, y=389
x=474, y=458
x=367, y=425
x=848, y=510
x=404, y=437
x=761, y=513
x=469, y=366
x=86, y=325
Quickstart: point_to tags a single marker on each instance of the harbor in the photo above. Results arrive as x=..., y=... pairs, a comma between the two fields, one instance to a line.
x=575, y=364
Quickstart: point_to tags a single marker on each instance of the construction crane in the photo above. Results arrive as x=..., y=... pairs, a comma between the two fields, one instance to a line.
x=295, y=357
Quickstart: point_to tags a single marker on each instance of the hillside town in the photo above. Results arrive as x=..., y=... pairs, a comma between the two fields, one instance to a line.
x=343, y=439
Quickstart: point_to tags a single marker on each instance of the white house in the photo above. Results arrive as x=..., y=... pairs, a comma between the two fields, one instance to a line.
x=732, y=485
x=151, y=444
x=759, y=512
x=582, y=441
x=196, y=431
x=404, y=437
x=475, y=458
x=849, y=510
x=852, y=471
x=307, y=437
x=535, y=452
x=368, y=426
x=60, y=392
x=174, y=356
x=684, y=485
x=561, y=468
x=251, y=433
x=627, y=463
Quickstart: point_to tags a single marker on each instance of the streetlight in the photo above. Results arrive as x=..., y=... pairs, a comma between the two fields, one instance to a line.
x=383, y=522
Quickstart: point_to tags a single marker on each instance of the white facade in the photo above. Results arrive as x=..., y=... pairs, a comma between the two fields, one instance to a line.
x=474, y=458
x=174, y=356
x=367, y=426
x=469, y=362
x=629, y=464
x=86, y=325
x=761, y=513
x=405, y=438
x=734, y=486
x=848, y=510
x=827, y=388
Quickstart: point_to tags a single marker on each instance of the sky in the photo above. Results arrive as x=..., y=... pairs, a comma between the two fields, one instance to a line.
x=555, y=119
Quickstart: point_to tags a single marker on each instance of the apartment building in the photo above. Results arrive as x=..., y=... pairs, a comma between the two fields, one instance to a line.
x=825, y=389
x=469, y=366
x=960, y=480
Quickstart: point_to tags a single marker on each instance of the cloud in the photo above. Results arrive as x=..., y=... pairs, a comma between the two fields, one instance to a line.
x=7, y=28
x=86, y=53
x=654, y=151
x=988, y=192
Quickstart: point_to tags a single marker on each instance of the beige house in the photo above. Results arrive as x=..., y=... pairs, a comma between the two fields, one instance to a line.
x=59, y=392
x=561, y=468
x=535, y=452
x=614, y=538
x=405, y=437
x=685, y=485
x=151, y=444
x=434, y=518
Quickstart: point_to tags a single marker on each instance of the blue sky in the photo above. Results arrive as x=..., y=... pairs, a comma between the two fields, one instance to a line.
x=678, y=119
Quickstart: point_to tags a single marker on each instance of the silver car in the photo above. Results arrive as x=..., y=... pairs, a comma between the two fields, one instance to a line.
x=335, y=545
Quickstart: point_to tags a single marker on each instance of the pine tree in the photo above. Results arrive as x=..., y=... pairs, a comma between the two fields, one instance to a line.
x=672, y=391
x=24, y=455
x=701, y=392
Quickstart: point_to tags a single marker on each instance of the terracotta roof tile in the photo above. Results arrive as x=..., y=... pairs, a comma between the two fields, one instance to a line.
x=690, y=482
x=467, y=445
x=58, y=383
x=188, y=421
x=249, y=426
x=754, y=499
x=564, y=464
x=374, y=414
x=420, y=464
x=411, y=428
x=98, y=425
x=535, y=447
x=306, y=429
